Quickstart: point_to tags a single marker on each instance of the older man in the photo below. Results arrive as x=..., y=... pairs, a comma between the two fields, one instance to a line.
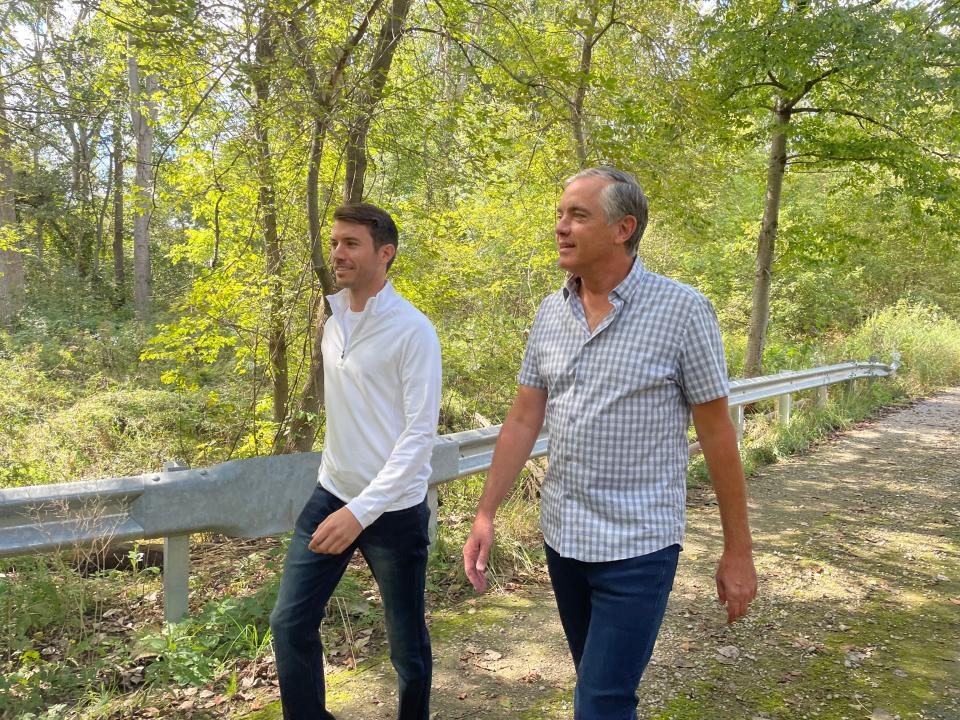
x=616, y=363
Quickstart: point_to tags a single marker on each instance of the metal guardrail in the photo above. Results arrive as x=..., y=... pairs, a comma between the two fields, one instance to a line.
x=783, y=385
x=263, y=496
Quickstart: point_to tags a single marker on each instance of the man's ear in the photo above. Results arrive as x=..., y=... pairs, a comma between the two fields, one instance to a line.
x=625, y=227
x=387, y=252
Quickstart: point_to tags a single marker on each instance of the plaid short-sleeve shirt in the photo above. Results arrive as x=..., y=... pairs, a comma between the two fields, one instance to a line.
x=618, y=408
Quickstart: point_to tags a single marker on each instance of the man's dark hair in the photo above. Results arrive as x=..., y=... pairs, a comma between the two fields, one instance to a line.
x=382, y=227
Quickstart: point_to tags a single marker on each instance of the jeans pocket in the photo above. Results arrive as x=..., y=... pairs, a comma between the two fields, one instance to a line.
x=321, y=504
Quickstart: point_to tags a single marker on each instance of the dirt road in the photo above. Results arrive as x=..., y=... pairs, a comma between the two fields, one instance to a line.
x=858, y=550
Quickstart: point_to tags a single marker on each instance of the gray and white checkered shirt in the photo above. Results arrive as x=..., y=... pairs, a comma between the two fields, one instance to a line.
x=618, y=409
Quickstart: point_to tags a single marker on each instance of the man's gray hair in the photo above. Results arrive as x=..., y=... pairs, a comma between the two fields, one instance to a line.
x=620, y=197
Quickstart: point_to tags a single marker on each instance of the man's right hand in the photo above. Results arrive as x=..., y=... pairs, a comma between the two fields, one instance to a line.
x=476, y=551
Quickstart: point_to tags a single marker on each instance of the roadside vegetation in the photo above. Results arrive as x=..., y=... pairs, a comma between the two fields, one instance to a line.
x=82, y=642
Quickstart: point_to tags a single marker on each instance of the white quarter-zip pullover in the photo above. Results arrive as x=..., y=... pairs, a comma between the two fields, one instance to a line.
x=382, y=398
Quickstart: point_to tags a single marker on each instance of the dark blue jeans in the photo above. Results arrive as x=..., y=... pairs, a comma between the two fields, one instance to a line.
x=395, y=548
x=611, y=614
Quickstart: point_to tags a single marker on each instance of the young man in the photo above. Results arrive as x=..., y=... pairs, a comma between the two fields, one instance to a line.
x=381, y=369
x=616, y=362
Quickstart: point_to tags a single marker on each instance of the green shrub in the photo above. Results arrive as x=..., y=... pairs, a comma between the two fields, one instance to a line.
x=108, y=434
x=193, y=652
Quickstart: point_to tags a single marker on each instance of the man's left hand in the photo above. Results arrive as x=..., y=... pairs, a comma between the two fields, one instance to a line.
x=336, y=533
x=736, y=583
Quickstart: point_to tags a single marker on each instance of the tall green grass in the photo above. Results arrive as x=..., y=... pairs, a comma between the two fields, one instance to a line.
x=927, y=339
x=928, y=342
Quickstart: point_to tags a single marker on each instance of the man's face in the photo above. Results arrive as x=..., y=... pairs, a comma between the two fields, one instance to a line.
x=584, y=237
x=356, y=262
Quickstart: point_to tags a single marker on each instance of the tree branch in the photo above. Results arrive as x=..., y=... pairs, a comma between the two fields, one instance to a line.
x=808, y=86
x=878, y=123
x=741, y=88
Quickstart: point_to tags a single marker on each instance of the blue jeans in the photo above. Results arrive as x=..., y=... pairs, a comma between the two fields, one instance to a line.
x=395, y=548
x=611, y=614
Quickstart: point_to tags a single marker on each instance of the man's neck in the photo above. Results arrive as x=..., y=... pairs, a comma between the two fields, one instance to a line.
x=359, y=296
x=598, y=281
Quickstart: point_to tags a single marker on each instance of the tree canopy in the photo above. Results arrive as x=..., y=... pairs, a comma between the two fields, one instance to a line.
x=800, y=158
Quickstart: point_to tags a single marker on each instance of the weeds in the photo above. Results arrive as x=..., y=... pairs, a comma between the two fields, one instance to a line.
x=927, y=339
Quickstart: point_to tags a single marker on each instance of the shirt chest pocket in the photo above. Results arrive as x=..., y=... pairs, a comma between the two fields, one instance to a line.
x=619, y=368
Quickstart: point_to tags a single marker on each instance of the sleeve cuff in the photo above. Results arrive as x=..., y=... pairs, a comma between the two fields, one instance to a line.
x=363, y=511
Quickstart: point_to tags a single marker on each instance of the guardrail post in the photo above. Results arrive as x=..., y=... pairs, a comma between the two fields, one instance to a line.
x=823, y=396
x=176, y=566
x=433, y=502
x=736, y=414
x=849, y=389
x=176, y=577
x=784, y=406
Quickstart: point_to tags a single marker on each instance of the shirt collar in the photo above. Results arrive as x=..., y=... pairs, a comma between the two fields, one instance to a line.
x=625, y=290
x=378, y=304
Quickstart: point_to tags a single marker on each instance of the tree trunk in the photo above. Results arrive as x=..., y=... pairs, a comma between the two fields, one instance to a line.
x=38, y=229
x=766, y=243
x=143, y=183
x=277, y=336
x=101, y=221
x=377, y=77
x=303, y=426
x=576, y=110
x=304, y=421
x=118, y=275
x=86, y=239
x=12, y=279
